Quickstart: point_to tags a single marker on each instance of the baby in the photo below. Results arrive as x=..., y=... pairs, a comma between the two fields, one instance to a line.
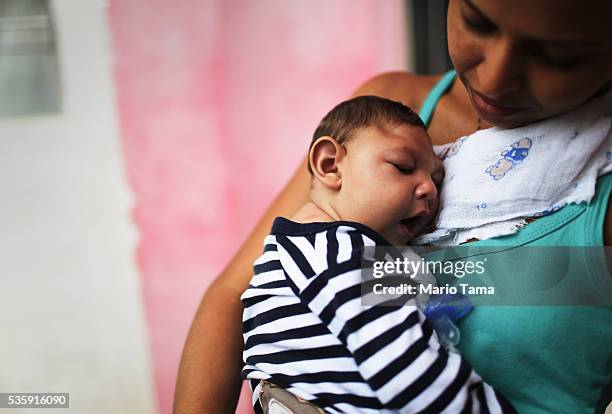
x=375, y=182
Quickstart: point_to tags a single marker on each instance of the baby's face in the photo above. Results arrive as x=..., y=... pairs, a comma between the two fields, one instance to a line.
x=390, y=181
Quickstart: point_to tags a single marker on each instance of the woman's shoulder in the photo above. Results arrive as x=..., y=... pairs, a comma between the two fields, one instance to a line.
x=405, y=87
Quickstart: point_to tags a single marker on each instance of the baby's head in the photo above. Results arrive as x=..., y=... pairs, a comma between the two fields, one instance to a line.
x=372, y=162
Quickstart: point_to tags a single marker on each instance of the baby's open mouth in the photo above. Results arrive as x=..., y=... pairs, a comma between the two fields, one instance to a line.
x=412, y=222
x=417, y=223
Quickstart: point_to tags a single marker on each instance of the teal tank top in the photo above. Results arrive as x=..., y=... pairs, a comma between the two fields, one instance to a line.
x=544, y=359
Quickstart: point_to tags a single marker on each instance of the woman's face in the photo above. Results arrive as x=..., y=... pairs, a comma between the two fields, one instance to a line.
x=522, y=61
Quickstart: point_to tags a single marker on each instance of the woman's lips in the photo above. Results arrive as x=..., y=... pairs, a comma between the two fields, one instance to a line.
x=490, y=109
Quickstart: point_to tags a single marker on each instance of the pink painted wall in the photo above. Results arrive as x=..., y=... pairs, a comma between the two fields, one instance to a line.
x=217, y=101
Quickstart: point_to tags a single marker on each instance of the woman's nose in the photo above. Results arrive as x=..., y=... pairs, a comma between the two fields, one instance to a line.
x=426, y=190
x=501, y=72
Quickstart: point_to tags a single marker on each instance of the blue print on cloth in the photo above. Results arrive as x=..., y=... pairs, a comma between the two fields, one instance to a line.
x=548, y=211
x=452, y=149
x=511, y=157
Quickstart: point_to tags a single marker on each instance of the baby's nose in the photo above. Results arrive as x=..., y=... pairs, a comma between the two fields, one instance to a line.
x=426, y=190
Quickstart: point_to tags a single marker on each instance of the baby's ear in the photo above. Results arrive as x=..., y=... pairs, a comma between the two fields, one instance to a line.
x=325, y=154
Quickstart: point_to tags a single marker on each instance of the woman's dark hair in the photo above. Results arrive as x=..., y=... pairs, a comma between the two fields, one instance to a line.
x=361, y=112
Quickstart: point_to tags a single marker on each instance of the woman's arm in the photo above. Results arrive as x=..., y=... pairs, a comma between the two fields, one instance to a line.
x=209, y=373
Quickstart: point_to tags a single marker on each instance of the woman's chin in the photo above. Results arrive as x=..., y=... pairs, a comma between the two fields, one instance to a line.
x=508, y=122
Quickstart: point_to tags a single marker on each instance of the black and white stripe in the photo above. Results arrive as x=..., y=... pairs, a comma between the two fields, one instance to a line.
x=305, y=329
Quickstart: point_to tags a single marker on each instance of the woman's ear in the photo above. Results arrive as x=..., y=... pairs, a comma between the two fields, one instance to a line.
x=325, y=154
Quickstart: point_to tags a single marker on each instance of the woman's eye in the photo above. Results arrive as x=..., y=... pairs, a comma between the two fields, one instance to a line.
x=480, y=25
x=477, y=23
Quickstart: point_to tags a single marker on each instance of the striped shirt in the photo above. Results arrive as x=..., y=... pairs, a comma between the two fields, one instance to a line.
x=305, y=329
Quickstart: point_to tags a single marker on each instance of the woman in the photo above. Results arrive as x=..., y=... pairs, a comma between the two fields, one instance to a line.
x=518, y=62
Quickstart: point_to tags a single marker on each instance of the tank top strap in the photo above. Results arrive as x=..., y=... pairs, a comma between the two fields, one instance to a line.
x=429, y=105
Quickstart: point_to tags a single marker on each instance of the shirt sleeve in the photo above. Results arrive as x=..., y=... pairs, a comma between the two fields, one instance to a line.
x=395, y=348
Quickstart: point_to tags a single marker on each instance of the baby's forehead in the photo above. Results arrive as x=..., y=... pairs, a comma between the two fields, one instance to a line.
x=398, y=136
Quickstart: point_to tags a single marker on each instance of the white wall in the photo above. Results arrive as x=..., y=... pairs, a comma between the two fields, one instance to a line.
x=72, y=316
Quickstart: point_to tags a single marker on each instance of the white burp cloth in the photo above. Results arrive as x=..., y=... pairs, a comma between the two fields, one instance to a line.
x=496, y=178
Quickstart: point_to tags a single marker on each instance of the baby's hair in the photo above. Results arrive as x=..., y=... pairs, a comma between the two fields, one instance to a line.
x=361, y=112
